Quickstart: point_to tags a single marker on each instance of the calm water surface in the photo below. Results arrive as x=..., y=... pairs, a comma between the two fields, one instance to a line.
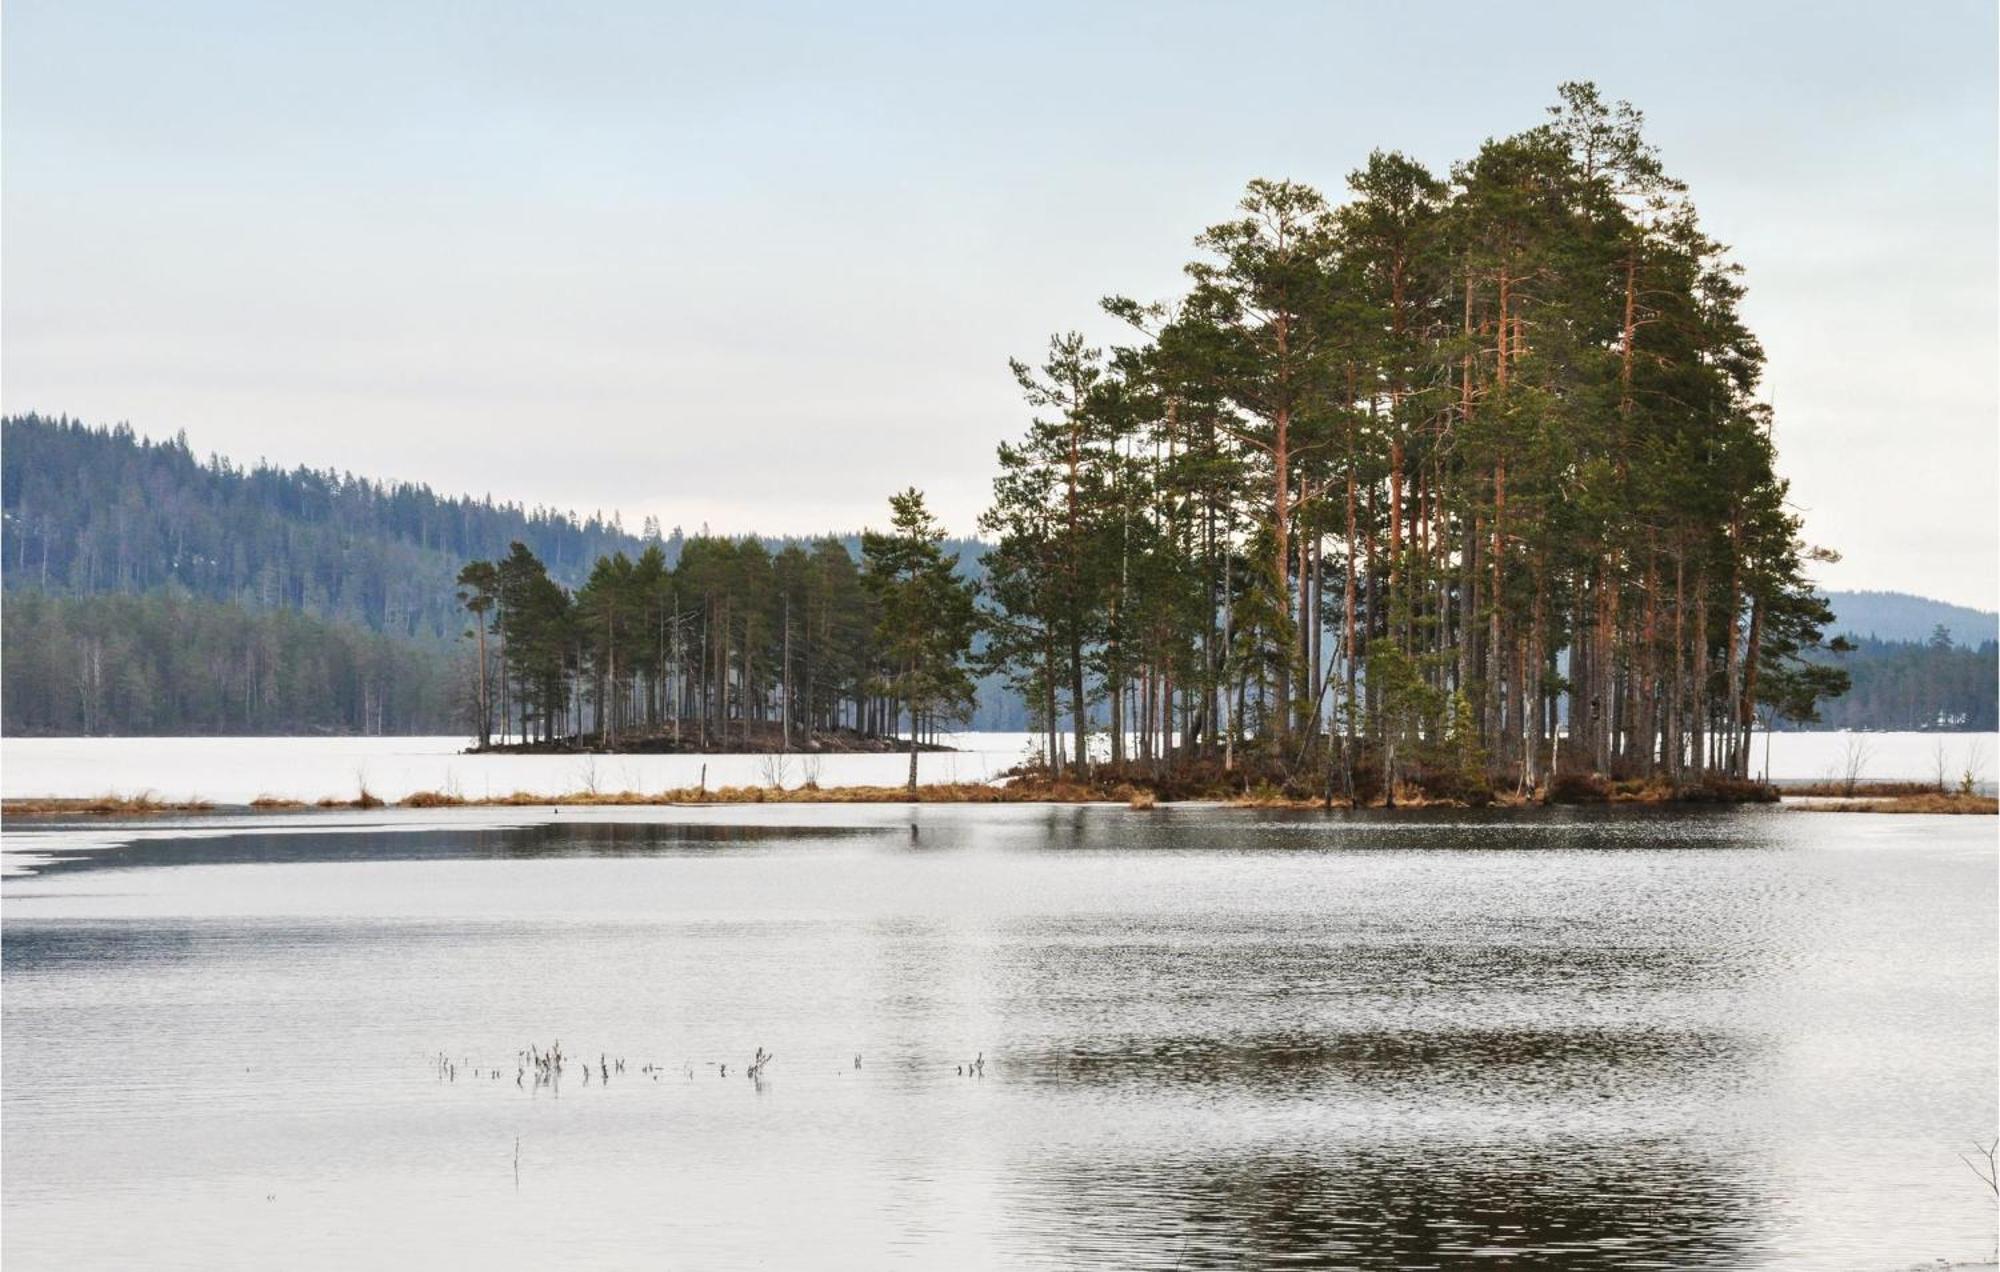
x=1212, y=1039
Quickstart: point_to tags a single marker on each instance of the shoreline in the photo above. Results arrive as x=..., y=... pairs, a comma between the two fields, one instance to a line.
x=761, y=739
x=1016, y=791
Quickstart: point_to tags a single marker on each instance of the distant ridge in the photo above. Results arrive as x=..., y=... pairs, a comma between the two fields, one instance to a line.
x=1893, y=616
x=93, y=511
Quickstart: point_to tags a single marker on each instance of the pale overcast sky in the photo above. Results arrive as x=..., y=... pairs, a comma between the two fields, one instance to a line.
x=757, y=266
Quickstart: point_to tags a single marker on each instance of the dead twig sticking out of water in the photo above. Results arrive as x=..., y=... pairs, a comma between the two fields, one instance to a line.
x=1989, y=1173
x=517, y=1161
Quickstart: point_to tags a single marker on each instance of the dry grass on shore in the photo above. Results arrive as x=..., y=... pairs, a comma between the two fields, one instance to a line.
x=1568, y=789
x=1928, y=802
x=940, y=793
x=102, y=806
x=1408, y=795
x=1923, y=800
x=1862, y=789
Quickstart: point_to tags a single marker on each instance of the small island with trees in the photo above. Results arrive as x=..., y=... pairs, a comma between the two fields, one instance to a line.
x=1458, y=489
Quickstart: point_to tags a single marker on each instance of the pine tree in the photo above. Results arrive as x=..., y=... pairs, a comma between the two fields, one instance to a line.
x=927, y=618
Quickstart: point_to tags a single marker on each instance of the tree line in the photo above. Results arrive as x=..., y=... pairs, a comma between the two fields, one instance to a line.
x=166, y=664
x=1932, y=684
x=1421, y=475
x=729, y=643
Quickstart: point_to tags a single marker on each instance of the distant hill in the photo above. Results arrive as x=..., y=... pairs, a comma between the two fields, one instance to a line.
x=174, y=665
x=1895, y=616
x=94, y=511
x=89, y=515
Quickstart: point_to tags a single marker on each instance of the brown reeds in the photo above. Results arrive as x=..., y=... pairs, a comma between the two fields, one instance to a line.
x=102, y=806
x=1864, y=790
x=1928, y=802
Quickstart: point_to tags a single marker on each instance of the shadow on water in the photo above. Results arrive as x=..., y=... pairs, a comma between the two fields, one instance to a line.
x=1071, y=829
x=96, y=947
x=514, y=843
x=1635, y=1204
x=1456, y=1061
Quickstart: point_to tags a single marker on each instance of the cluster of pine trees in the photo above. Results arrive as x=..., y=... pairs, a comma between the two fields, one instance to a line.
x=1419, y=476
x=175, y=664
x=729, y=643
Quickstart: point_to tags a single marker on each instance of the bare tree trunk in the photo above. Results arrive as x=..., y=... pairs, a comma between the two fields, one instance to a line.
x=1302, y=638
x=1732, y=659
x=1699, y=717
x=1604, y=666
x=1747, y=706
x=1496, y=721
x=1349, y=653
x=1281, y=525
x=485, y=704
x=1672, y=741
x=1317, y=685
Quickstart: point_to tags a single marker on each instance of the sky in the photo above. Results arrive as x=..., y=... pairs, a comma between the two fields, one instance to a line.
x=755, y=267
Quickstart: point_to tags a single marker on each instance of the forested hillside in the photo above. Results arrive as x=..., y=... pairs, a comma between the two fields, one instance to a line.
x=92, y=514
x=1901, y=617
x=162, y=664
x=93, y=509
x=1932, y=684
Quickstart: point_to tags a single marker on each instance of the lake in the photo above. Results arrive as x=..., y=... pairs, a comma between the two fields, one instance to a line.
x=1211, y=1038
x=238, y=770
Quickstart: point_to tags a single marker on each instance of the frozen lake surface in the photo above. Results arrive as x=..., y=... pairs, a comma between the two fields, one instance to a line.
x=1212, y=1039
x=238, y=770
